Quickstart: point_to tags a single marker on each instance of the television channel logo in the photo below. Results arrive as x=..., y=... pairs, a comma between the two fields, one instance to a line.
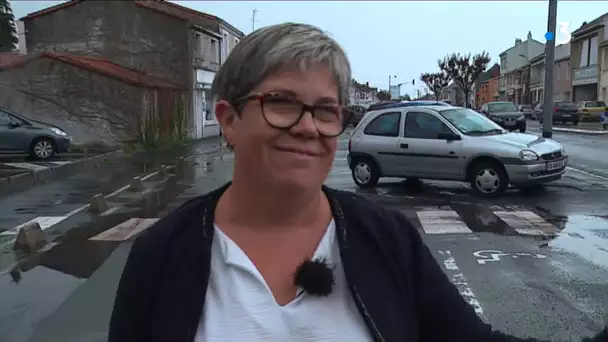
x=563, y=35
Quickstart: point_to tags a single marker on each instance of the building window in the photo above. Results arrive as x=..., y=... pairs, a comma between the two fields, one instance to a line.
x=215, y=50
x=589, y=52
x=208, y=106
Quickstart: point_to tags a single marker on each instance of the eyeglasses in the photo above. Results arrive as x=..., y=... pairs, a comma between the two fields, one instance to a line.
x=284, y=112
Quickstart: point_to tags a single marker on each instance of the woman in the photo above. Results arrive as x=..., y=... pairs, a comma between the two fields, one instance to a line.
x=221, y=267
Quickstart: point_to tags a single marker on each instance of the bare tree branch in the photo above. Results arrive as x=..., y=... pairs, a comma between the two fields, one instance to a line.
x=464, y=70
x=436, y=82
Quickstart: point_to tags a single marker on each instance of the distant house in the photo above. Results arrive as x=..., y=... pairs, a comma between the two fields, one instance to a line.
x=157, y=39
x=93, y=99
x=454, y=94
x=362, y=94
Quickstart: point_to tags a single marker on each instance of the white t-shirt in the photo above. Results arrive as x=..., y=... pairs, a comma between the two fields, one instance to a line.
x=240, y=307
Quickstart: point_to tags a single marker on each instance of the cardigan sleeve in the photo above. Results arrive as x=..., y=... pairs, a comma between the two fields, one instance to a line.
x=443, y=313
x=128, y=321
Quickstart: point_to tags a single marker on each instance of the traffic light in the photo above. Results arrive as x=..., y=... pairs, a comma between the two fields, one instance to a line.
x=477, y=94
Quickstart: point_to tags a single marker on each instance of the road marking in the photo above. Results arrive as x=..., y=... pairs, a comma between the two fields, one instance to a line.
x=442, y=222
x=45, y=222
x=458, y=279
x=28, y=166
x=586, y=173
x=486, y=256
x=126, y=230
x=60, y=162
x=526, y=222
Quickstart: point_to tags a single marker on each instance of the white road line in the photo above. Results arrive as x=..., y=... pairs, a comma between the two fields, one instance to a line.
x=442, y=222
x=458, y=279
x=526, y=222
x=570, y=168
x=28, y=166
x=126, y=230
x=60, y=162
x=45, y=222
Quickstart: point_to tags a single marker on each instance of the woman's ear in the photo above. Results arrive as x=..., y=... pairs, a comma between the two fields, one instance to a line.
x=227, y=117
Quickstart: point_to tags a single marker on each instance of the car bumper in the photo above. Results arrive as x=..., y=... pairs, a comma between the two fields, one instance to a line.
x=538, y=173
x=63, y=144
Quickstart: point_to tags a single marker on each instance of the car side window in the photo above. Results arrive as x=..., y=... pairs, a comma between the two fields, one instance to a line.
x=424, y=126
x=386, y=125
x=5, y=119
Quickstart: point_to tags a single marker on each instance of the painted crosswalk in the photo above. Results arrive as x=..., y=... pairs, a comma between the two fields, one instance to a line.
x=449, y=221
x=34, y=166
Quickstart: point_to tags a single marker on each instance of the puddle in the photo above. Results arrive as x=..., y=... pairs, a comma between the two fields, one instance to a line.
x=586, y=236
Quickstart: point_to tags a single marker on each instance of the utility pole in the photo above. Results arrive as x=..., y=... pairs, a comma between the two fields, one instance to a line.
x=549, y=66
x=255, y=11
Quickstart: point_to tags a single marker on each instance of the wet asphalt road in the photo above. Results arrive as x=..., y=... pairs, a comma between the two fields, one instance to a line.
x=512, y=271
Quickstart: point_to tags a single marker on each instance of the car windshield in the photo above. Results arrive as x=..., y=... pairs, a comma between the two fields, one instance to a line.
x=470, y=122
x=594, y=104
x=565, y=104
x=501, y=107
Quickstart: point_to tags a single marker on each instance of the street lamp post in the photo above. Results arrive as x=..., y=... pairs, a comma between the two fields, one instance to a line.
x=549, y=66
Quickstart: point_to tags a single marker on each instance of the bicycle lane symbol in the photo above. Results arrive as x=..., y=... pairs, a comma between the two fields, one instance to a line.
x=485, y=256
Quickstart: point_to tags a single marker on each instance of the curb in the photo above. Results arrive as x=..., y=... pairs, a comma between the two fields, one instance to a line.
x=579, y=131
x=26, y=180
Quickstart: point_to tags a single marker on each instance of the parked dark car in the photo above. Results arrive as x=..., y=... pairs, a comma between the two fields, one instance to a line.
x=564, y=111
x=505, y=114
x=381, y=104
x=358, y=111
x=526, y=110
x=41, y=141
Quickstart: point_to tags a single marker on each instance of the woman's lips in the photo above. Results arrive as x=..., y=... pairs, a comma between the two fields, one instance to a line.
x=300, y=151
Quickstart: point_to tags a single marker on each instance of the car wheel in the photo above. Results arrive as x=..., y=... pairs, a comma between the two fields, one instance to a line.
x=488, y=179
x=365, y=173
x=42, y=149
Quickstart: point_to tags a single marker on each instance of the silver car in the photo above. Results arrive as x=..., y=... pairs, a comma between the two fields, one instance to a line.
x=450, y=143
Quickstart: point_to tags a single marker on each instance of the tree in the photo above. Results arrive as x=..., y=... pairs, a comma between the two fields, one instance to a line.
x=464, y=70
x=8, y=29
x=406, y=97
x=435, y=82
x=384, y=95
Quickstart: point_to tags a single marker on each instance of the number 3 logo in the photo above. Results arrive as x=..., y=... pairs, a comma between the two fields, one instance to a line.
x=563, y=35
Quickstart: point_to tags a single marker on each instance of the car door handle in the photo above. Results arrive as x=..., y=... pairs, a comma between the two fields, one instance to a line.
x=451, y=152
x=404, y=145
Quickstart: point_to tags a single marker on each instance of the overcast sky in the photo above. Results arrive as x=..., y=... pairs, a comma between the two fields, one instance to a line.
x=400, y=38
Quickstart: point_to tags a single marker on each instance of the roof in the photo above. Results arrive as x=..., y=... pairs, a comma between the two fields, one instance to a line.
x=7, y=58
x=101, y=66
x=166, y=7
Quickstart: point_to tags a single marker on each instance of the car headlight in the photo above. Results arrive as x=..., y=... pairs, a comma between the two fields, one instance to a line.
x=58, y=131
x=562, y=150
x=521, y=118
x=528, y=155
x=496, y=118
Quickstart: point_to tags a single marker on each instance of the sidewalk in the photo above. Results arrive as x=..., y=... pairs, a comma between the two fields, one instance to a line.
x=593, y=128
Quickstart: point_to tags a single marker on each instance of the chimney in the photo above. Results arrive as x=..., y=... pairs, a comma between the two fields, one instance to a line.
x=517, y=41
x=529, y=35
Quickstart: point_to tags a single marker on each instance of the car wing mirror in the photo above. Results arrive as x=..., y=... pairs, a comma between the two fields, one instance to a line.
x=14, y=124
x=448, y=136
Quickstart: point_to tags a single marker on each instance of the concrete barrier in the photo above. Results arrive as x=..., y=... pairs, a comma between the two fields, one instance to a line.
x=22, y=181
x=98, y=204
x=163, y=172
x=136, y=184
x=30, y=238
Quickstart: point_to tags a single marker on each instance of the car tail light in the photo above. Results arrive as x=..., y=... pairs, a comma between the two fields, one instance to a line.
x=555, y=109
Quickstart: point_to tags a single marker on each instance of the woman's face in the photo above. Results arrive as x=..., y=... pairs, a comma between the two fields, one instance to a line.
x=298, y=158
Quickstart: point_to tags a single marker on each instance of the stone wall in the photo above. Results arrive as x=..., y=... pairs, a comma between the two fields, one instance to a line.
x=120, y=31
x=88, y=106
